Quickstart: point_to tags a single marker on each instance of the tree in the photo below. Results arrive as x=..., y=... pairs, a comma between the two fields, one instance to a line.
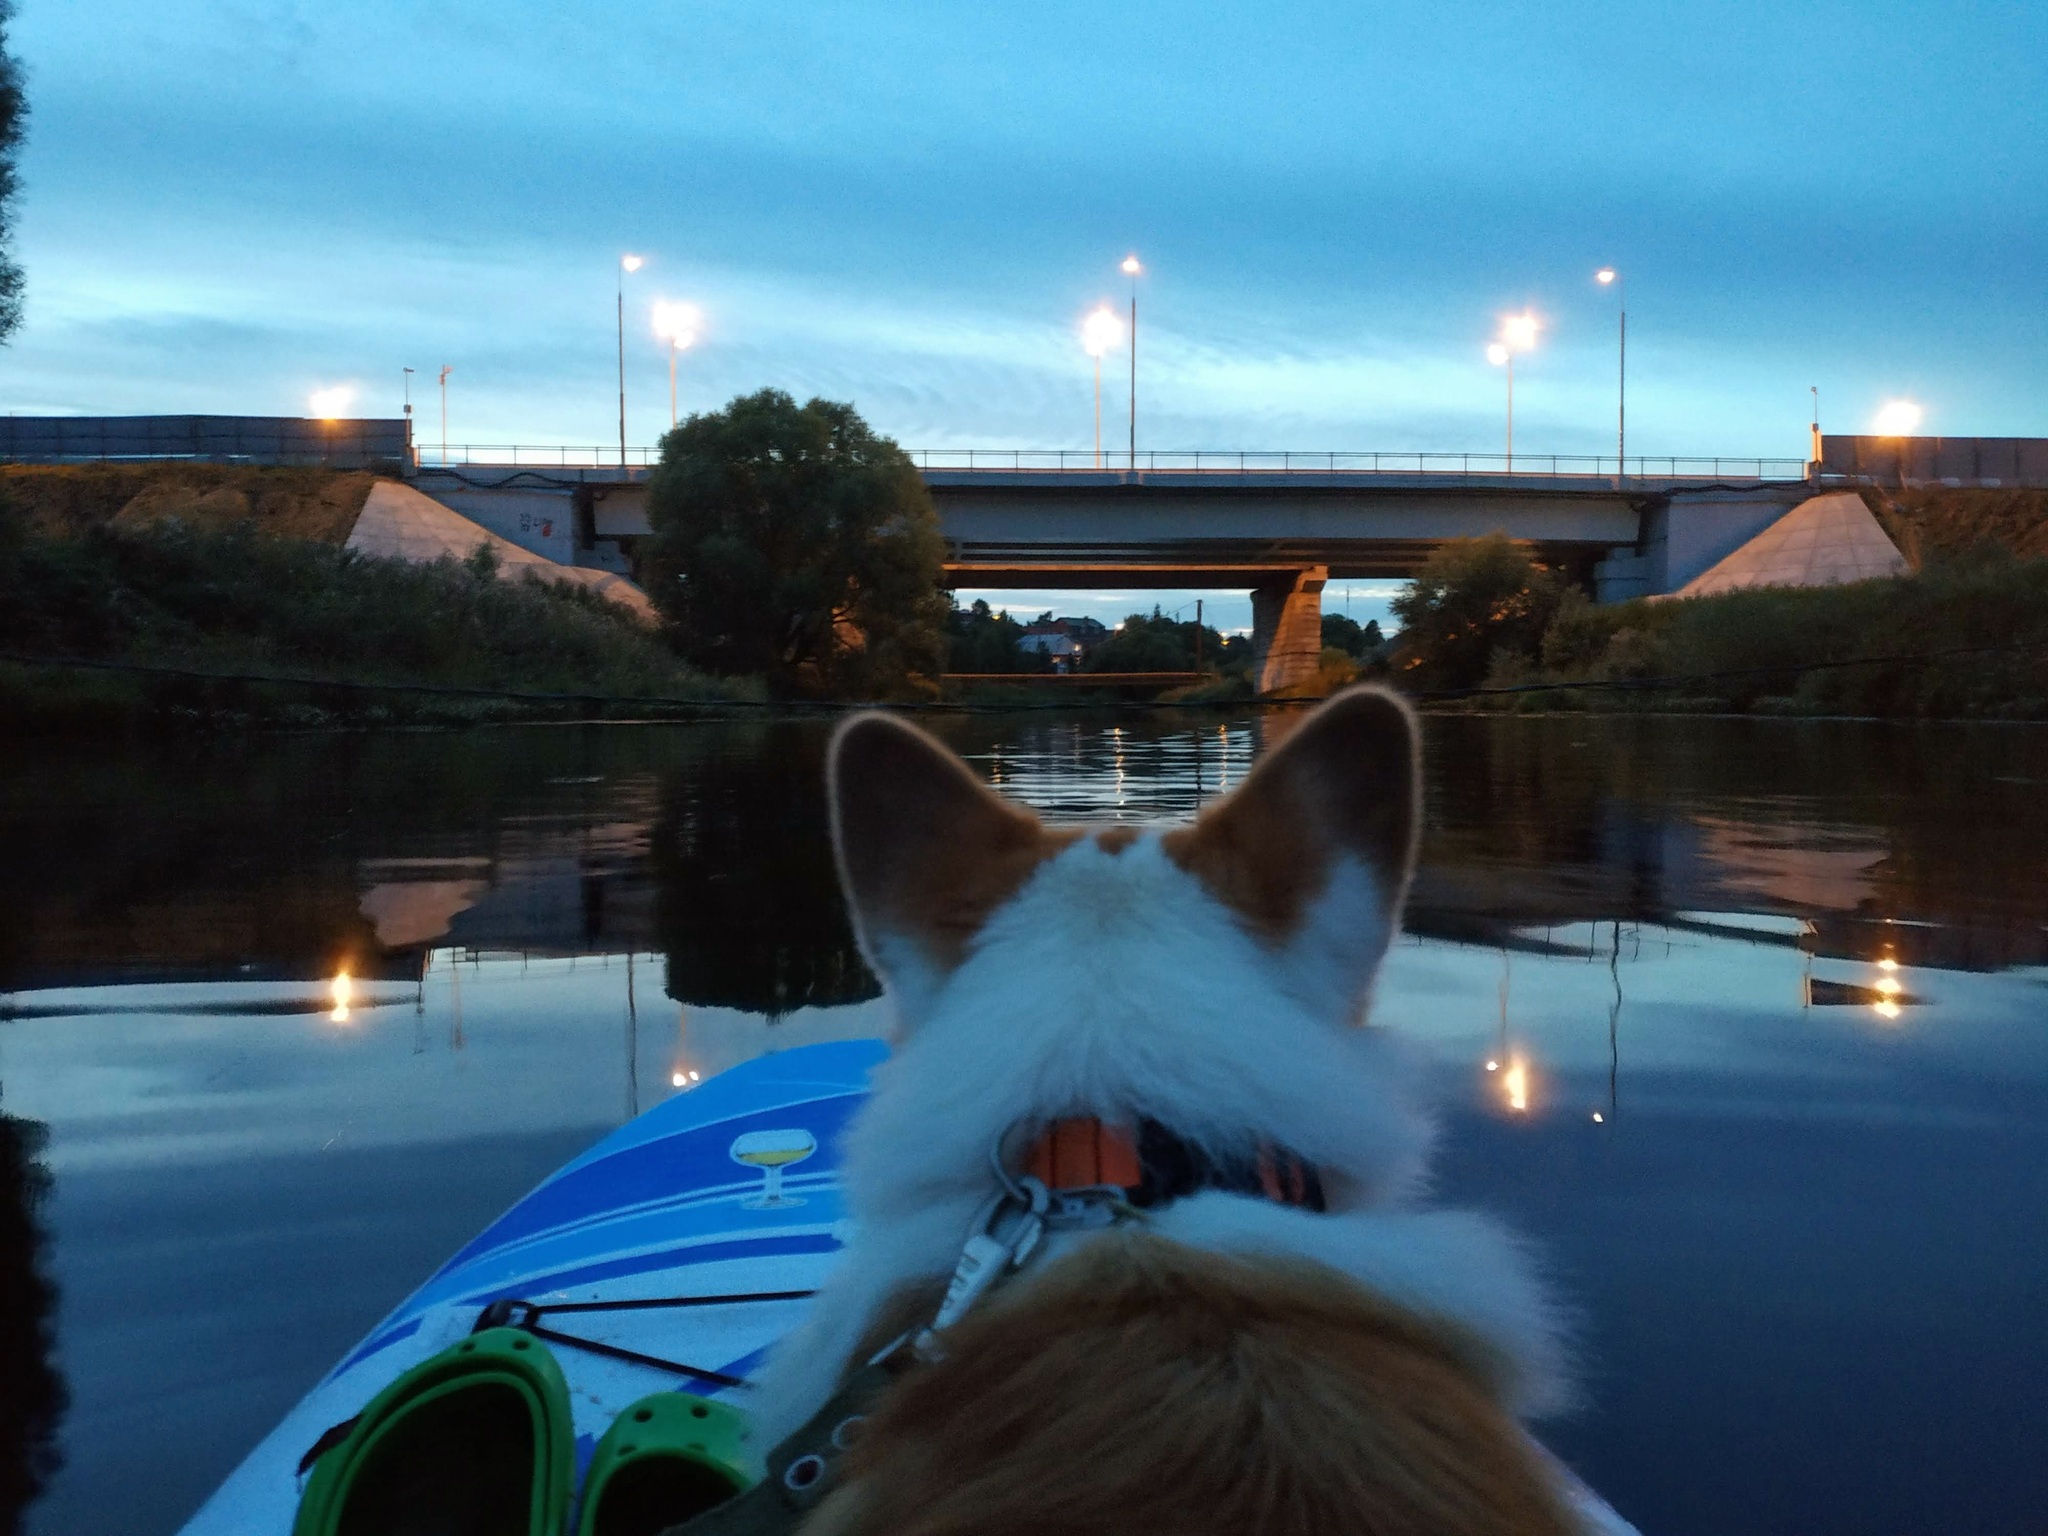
x=794, y=542
x=13, y=123
x=1161, y=644
x=978, y=640
x=1471, y=598
x=1343, y=633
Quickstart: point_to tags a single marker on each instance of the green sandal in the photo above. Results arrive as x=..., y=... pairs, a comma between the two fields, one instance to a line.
x=666, y=1459
x=476, y=1441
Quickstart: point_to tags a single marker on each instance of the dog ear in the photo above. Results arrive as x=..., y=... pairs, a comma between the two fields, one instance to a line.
x=1314, y=851
x=926, y=851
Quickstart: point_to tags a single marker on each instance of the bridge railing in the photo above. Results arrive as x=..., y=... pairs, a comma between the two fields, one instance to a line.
x=1207, y=461
x=1200, y=461
x=532, y=456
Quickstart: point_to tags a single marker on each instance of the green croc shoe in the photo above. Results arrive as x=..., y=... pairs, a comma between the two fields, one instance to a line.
x=666, y=1459
x=476, y=1440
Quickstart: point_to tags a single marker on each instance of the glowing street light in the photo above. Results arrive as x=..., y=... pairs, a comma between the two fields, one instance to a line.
x=1897, y=418
x=1131, y=269
x=1604, y=277
x=1517, y=334
x=628, y=263
x=678, y=325
x=328, y=404
x=1099, y=332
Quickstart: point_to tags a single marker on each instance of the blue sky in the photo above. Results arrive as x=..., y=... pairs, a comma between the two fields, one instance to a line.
x=231, y=203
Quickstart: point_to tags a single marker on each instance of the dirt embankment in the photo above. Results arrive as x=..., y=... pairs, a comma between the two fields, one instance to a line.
x=1937, y=523
x=319, y=505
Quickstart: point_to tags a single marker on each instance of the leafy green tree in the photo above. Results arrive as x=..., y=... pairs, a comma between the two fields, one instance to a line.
x=978, y=640
x=795, y=542
x=13, y=124
x=1162, y=644
x=1471, y=598
x=1343, y=633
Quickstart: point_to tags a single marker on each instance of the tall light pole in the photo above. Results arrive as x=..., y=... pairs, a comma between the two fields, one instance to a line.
x=445, y=371
x=410, y=445
x=1517, y=334
x=1132, y=269
x=676, y=324
x=626, y=264
x=1501, y=357
x=1605, y=276
x=1099, y=332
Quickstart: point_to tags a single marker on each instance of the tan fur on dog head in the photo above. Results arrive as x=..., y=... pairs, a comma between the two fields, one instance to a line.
x=1140, y=1386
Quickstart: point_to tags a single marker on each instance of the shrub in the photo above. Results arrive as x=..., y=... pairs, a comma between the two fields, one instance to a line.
x=1471, y=598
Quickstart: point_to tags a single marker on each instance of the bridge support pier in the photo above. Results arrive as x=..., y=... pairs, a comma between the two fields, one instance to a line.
x=1287, y=629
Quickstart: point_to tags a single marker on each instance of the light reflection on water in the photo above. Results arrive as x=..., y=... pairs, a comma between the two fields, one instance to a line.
x=1728, y=1019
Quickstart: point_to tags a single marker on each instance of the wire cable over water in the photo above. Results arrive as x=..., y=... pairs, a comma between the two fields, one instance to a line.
x=715, y=706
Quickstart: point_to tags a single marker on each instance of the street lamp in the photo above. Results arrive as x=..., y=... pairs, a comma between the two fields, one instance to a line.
x=410, y=446
x=626, y=264
x=1517, y=334
x=445, y=371
x=1099, y=332
x=1606, y=276
x=1131, y=270
x=678, y=325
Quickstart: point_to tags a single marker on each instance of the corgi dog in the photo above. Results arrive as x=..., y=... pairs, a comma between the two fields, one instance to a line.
x=1228, y=1361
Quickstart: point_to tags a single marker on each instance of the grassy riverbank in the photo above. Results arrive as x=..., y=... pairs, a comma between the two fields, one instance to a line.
x=164, y=594
x=1968, y=636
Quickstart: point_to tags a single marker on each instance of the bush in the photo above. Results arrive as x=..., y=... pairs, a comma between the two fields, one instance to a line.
x=1471, y=598
x=794, y=542
x=236, y=600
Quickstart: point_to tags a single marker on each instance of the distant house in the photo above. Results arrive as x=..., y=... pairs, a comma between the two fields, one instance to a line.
x=1066, y=641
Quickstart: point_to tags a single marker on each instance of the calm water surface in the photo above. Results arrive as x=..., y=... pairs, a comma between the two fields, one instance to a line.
x=1745, y=1024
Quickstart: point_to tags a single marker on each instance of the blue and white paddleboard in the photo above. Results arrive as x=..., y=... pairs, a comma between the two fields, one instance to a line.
x=729, y=1190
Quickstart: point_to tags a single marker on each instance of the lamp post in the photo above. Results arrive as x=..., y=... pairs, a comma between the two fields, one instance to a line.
x=445, y=371
x=1099, y=332
x=626, y=264
x=1604, y=277
x=410, y=447
x=1132, y=269
x=1517, y=334
x=1501, y=357
x=676, y=324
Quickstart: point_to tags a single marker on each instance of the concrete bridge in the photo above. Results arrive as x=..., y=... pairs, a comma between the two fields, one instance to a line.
x=1279, y=531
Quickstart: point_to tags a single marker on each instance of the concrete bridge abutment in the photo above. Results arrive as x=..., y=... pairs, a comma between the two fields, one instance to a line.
x=1287, y=629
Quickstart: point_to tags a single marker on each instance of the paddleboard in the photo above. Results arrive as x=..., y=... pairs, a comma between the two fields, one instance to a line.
x=686, y=1241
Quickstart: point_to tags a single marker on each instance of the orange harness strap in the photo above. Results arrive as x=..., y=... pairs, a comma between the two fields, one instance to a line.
x=1084, y=1152
x=1074, y=1154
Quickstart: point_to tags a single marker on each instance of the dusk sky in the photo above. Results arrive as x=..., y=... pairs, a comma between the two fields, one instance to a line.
x=228, y=204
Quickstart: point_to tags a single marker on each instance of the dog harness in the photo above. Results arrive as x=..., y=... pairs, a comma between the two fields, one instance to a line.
x=1078, y=1174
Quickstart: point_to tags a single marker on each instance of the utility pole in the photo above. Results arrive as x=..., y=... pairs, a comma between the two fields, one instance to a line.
x=626, y=264
x=445, y=371
x=1198, y=634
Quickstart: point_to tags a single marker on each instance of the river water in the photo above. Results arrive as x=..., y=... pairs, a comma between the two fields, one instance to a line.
x=1743, y=1023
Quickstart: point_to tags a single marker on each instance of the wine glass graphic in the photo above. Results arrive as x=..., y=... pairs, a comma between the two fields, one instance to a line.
x=771, y=1152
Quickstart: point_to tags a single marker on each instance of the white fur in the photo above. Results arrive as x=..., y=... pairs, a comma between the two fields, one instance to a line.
x=1115, y=985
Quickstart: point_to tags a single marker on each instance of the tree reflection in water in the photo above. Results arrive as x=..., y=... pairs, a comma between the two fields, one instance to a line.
x=32, y=1396
x=747, y=905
